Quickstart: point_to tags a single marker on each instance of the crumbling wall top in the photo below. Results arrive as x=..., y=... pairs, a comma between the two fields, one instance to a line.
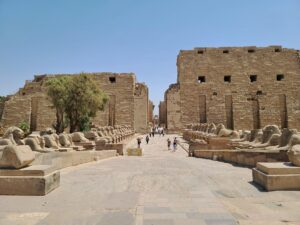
x=140, y=89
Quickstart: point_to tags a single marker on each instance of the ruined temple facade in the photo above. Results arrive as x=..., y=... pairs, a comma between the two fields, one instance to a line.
x=162, y=113
x=241, y=87
x=172, y=109
x=150, y=112
x=2, y=103
x=128, y=103
x=141, y=107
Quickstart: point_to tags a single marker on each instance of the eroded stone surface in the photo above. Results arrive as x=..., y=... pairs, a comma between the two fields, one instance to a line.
x=294, y=155
x=16, y=156
x=209, y=88
x=125, y=95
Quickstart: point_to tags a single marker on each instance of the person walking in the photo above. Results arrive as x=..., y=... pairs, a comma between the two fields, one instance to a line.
x=153, y=131
x=139, y=141
x=147, y=139
x=169, y=143
x=175, y=144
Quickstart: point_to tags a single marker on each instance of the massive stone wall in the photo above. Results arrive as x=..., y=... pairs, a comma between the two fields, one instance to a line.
x=173, y=116
x=2, y=103
x=16, y=111
x=141, y=108
x=150, y=112
x=31, y=103
x=162, y=113
x=242, y=87
x=120, y=89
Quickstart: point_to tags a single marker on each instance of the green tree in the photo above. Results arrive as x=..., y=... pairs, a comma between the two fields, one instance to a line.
x=24, y=126
x=3, y=98
x=84, y=99
x=58, y=92
x=85, y=123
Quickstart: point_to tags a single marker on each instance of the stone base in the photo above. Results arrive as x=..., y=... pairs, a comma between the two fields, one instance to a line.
x=243, y=157
x=78, y=148
x=61, y=160
x=118, y=147
x=86, y=145
x=134, y=152
x=211, y=143
x=33, y=180
x=218, y=143
x=65, y=149
x=194, y=145
x=277, y=176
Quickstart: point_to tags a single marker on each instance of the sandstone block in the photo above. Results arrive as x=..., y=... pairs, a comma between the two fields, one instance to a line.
x=277, y=176
x=16, y=156
x=29, y=185
x=134, y=152
x=294, y=155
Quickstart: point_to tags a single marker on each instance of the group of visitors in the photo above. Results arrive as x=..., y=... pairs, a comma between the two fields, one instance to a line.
x=175, y=142
x=156, y=130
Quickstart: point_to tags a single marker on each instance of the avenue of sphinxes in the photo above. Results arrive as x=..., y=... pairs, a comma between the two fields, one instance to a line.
x=149, y=112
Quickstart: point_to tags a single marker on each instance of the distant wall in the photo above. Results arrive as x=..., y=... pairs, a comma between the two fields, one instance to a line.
x=2, y=103
x=173, y=108
x=162, y=113
x=16, y=110
x=141, y=108
x=241, y=87
x=31, y=103
x=150, y=113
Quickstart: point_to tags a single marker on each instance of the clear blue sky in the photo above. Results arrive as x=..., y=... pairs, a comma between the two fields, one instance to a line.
x=140, y=36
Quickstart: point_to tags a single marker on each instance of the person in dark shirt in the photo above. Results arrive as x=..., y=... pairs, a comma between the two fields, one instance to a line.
x=139, y=141
x=169, y=143
x=175, y=144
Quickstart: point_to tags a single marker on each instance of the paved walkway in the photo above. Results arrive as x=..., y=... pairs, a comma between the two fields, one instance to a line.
x=160, y=188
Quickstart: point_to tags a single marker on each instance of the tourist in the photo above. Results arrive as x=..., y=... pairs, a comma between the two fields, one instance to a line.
x=160, y=131
x=175, y=144
x=169, y=143
x=139, y=141
x=153, y=131
x=147, y=139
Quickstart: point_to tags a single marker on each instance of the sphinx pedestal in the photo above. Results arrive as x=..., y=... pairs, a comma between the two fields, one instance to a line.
x=277, y=176
x=32, y=180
